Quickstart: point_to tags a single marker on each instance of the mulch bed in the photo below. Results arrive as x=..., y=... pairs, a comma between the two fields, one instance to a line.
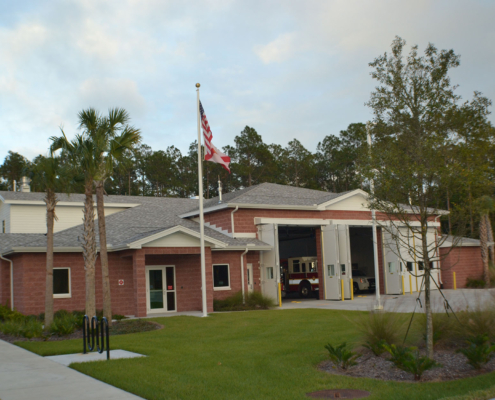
x=118, y=328
x=454, y=366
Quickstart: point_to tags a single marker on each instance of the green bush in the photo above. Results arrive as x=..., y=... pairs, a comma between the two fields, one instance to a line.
x=379, y=327
x=477, y=321
x=478, y=351
x=63, y=324
x=118, y=317
x=404, y=359
x=474, y=283
x=6, y=314
x=79, y=315
x=417, y=365
x=254, y=301
x=376, y=348
x=61, y=314
x=341, y=356
x=28, y=328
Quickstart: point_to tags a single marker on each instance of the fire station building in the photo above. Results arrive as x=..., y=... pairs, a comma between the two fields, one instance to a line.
x=308, y=241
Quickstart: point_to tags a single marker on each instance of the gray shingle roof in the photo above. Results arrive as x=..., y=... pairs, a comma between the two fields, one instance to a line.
x=277, y=195
x=154, y=215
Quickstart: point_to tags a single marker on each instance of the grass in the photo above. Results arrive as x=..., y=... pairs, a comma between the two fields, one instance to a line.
x=245, y=355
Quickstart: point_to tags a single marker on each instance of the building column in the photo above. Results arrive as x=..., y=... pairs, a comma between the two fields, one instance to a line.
x=139, y=280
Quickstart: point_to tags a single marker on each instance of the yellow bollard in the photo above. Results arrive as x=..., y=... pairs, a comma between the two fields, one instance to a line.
x=279, y=295
x=403, y=288
x=455, y=283
x=410, y=283
x=352, y=289
x=342, y=288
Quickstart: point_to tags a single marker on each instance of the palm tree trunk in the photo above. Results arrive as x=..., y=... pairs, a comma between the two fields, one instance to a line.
x=89, y=249
x=484, y=248
x=107, y=303
x=51, y=202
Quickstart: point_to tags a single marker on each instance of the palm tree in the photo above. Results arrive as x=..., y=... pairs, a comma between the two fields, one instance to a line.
x=485, y=205
x=48, y=175
x=94, y=151
x=112, y=136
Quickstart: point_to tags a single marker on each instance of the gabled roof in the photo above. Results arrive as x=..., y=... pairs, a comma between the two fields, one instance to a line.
x=272, y=195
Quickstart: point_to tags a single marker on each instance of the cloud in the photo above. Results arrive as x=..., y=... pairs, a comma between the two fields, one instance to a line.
x=279, y=50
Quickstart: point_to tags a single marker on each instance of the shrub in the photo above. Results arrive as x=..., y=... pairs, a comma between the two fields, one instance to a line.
x=254, y=301
x=64, y=324
x=443, y=325
x=378, y=327
x=417, y=365
x=477, y=321
x=6, y=314
x=79, y=315
x=474, y=283
x=478, y=352
x=28, y=328
x=399, y=354
x=341, y=356
x=377, y=347
x=118, y=317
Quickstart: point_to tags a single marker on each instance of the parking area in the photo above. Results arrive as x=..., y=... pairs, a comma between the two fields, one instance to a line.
x=458, y=300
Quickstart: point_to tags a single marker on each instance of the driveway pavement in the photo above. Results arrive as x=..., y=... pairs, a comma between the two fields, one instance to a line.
x=27, y=376
x=458, y=300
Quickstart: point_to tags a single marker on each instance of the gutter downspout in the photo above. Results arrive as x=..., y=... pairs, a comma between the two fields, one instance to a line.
x=232, y=219
x=242, y=275
x=11, y=281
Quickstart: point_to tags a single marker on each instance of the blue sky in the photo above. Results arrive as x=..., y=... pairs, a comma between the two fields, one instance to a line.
x=290, y=69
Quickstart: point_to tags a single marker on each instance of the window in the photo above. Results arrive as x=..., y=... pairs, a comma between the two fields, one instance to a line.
x=295, y=266
x=391, y=267
x=313, y=267
x=342, y=269
x=331, y=270
x=269, y=272
x=421, y=265
x=409, y=266
x=3, y=226
x=303, y=267
x=61, y=282
x=400, y=266
x=221, y=277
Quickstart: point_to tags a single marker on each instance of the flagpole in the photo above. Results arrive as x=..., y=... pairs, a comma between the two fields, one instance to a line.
x=201, y=216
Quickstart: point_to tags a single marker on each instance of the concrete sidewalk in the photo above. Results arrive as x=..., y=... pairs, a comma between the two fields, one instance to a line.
x=25, y=376
x=458, y=300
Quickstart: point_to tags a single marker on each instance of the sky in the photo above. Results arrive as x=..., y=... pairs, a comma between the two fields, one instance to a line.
x=289, y=69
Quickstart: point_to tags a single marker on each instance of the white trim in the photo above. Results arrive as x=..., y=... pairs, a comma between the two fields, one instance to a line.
x=69, y=203
x=249, y=205
x=213, y=277
x=163, y=268
x=250, y=246
x=138, y=243
x=64, y=295
x=206, y=210
x=324, y=205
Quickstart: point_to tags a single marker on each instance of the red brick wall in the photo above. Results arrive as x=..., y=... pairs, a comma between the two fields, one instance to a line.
x=29, y=283
x=4, y=282
x=221, y=219
x=464, y=261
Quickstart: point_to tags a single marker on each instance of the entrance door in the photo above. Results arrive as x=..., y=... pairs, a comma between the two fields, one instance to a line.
x=345, y=258
x=393, y=265
x=160, y=289
x=250, y=278
x=331, y=267
x=270, y=266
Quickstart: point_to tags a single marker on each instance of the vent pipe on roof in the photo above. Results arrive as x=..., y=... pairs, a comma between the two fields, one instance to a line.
x=25, y=187
x=14, y=186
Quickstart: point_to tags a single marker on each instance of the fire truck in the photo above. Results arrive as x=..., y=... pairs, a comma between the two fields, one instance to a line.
x=299, y=275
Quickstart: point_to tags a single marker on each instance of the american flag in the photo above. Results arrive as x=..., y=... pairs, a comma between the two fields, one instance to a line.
x=211, y=152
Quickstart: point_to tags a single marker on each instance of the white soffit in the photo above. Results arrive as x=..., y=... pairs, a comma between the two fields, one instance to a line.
x=356, y=200
x=177, y=239
x=291, y=221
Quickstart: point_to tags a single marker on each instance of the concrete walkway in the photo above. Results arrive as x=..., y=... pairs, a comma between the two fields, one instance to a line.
x=458, y=299
x=27, y=376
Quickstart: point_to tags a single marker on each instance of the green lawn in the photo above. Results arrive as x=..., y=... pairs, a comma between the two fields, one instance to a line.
x=243, y=355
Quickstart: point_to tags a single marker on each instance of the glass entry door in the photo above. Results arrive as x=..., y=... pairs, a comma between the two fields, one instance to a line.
x=160, y=289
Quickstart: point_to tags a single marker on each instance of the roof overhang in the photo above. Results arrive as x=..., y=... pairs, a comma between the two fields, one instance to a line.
x=324, y=205
x=248, y=205
x=67, y=203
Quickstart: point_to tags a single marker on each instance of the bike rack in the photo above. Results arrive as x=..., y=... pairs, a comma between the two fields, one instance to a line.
x=95, y=329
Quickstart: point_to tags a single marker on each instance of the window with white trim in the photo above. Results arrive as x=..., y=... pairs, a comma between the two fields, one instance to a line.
x=221, y=277
x=61, y=283
x=3, y=226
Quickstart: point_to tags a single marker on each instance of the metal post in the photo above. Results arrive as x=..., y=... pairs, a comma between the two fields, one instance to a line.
x=378, y=304
x=455, y=282
x=201, y=216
